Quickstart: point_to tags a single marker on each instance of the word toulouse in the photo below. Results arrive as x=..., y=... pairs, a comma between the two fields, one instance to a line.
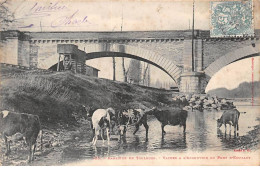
x=175, y=158
x=126, y=158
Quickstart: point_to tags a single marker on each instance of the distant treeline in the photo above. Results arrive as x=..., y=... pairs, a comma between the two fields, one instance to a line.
x=244, y=90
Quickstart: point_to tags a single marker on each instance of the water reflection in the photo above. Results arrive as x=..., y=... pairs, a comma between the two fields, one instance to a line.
x=227, y=139
x=122, y=139
x=200, y=131
x=178, y=143
x=102, y=151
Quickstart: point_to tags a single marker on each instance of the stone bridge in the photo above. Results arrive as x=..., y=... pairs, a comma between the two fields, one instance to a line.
x=170, y=51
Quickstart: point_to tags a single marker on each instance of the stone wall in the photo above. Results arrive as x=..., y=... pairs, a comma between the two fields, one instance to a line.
x=9, y=50
x=47, y=55
x=170, y=50
x=191, y=83
x=24, y=53
x=214, y=49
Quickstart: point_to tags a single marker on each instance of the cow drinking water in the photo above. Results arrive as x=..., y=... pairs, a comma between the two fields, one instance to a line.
x=27, y=124
x=136, y=117
x=89, y=110
x=230, y=117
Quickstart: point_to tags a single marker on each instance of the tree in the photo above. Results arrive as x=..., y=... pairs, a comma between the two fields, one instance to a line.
x=6, y=16
x=146, y=75
x=114, y=68
x=125, y=72
x=158, y=84
x=135, y=71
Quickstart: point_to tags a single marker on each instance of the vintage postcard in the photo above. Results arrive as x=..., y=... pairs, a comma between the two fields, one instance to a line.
x=129, y=83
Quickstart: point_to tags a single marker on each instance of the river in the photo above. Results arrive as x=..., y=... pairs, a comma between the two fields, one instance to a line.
x=201, y=135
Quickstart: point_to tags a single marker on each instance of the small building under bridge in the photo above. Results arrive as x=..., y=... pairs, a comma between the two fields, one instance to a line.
x=72, y=59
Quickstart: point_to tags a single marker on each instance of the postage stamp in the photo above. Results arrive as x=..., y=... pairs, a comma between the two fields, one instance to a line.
x=231, y=18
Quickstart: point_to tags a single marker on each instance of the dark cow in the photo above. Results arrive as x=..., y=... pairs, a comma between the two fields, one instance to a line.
x=230, y=117
x=27, y=124
x=170, y=116
x=123, y=121
x=136, y=117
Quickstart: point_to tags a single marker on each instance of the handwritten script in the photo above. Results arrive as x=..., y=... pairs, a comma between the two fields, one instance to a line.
x=69, y=19
x=37, y=11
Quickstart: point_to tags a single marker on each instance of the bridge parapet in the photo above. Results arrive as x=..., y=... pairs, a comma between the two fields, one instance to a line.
x=142, y=36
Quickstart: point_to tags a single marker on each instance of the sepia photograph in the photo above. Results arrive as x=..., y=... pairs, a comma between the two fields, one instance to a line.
x=129, y=83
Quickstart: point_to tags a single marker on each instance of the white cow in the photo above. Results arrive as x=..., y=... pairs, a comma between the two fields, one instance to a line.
x=100, y=121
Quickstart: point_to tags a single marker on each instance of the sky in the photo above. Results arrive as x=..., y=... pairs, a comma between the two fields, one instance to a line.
x=105, y=15
x=235, y=73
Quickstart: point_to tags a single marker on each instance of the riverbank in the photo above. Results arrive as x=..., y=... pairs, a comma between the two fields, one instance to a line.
x=250, y=141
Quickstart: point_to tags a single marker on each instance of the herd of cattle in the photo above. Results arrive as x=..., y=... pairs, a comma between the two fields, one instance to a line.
x=104, y=120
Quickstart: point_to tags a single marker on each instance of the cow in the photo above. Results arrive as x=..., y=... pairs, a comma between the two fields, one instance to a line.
x=136, y=117
x=170, y=116
x=101, y=120
x=89, y=113
x=26, y=124
x=123, y=120
x=230, y=117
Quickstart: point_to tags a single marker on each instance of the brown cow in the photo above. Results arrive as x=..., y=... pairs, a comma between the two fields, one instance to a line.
x=170, y=116
x=230, y=117
x=27, y=124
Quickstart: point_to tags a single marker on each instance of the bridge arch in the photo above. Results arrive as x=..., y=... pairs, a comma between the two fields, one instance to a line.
x=236, y=55
x=119, y=50
x=231, y=57
x=99, y=50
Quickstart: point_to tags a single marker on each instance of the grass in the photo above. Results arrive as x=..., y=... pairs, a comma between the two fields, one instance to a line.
x=56, y=96
x=35, y=94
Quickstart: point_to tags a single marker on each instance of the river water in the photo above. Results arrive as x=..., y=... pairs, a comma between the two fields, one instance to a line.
x=201, y=134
